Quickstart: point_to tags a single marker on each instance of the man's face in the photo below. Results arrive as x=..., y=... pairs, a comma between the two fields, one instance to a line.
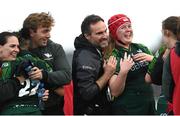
x=40, y=36
x=125, y=33
x=99, y=35
x=9, y=50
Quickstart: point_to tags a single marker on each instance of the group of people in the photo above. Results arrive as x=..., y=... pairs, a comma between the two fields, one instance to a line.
x=110, y=74
x=34, y=70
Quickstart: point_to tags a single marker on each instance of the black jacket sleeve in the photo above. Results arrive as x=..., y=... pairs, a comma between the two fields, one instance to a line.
x=156, y=74
x=87, y=69
x=9, y=89
x=167, y=80
x=61, y=74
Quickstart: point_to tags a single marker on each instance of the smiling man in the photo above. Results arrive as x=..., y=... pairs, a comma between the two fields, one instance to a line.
x=37, y=28
x=89, y=76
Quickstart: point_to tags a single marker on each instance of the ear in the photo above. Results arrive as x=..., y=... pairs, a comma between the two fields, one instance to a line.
x=87, y=36
x=31, y=32
x=0, y=49
x=167, y=33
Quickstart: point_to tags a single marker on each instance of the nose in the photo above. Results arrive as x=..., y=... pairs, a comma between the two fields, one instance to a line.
x=105, y=35
x=17, y=49
x=48, y=35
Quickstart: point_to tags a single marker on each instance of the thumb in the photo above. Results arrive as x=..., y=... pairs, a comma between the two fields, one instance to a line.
x=104, y=65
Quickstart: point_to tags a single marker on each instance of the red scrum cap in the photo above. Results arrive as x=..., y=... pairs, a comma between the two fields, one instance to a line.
x=115, y=22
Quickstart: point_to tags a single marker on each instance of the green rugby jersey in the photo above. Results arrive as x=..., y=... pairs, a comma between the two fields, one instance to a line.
x=26, y=102
x=158, y=53
x=137, y=97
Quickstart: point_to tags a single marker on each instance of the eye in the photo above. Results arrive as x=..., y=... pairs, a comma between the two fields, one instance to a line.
x=129, y=26
x=14, y=46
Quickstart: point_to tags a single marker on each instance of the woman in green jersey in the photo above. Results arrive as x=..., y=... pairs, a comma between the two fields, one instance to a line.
x=131, y=94
x=18, y=96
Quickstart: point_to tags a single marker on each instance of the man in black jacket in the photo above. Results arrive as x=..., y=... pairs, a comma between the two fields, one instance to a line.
x=90, y=77
x=37, y=28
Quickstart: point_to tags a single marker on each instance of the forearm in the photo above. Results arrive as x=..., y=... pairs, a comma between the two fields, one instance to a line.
x=59, y=78
x=156, y=74
x=59, y=91
x=117, y=83
x=103, y=80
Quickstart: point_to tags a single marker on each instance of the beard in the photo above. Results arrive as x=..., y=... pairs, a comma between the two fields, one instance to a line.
x=104, y=44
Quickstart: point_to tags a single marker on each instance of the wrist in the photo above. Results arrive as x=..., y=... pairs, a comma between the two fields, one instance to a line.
x=44, y=76
x=122, y=74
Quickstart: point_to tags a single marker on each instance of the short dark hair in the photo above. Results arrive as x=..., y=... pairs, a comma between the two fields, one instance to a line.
x=4, y=36
x=91, y=19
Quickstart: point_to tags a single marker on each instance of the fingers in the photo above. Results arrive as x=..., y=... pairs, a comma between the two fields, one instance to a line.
x=45, y=95
x=129, y=57
x=36, y=73
x=125, y=55
x=139, y=57
x=121, y=60
x=112, y=60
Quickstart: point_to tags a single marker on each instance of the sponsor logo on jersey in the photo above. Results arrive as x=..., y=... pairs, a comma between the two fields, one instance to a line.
x=48, y=56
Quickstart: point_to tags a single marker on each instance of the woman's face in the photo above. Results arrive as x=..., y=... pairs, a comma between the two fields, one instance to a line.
x=165, y=39
x=125, y=33
x=9, y=50
x=168, y=38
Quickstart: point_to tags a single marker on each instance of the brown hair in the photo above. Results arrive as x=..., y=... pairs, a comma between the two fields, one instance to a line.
x=172, y=24
x=109, y=49
x=35, y=20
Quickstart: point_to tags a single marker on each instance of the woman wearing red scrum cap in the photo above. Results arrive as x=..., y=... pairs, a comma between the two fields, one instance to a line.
x=131, y=94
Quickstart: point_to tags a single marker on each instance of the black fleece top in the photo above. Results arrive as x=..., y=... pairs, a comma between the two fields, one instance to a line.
x=87, y=68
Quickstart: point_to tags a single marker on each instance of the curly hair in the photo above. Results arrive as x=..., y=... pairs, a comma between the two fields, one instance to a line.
x=35, y=20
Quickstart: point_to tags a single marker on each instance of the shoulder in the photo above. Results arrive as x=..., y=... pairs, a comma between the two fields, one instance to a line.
x=54, y=45
x=85, y=56
x=84, y=53
x=141, y=47
x=55, y=48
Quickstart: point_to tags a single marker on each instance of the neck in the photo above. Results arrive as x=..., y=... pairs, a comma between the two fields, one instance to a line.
x=172, y=43
x=32, y=45
x=122, y=44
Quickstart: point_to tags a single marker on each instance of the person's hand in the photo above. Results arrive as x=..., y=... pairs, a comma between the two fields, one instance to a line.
x=45, y=95
x=35, y=73
x=21, y=78
x=148, y=78
x=110, y=65
x=142, y=57
x=126, y=63
x=59, y=91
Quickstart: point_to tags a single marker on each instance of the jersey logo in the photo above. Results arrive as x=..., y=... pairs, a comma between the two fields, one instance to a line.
x=6, y=64
x=48, y=56
x=139, y=51
x=85, y=67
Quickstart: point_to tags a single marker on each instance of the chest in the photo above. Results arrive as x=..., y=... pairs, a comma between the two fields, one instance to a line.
x=138, y=66
x=46, y=55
